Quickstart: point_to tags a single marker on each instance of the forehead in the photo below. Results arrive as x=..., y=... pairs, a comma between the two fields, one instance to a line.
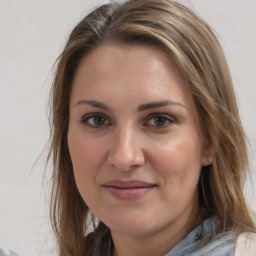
x=134, y=60
x=133, y=67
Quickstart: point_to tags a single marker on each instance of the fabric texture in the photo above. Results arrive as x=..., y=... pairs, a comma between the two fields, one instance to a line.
x=10, y=253
x=203, y=240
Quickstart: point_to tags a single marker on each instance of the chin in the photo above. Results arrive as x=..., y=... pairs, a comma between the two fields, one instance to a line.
x=131, y=224
x=134, y=229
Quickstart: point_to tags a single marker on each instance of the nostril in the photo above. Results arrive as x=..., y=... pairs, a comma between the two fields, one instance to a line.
x=124, y=161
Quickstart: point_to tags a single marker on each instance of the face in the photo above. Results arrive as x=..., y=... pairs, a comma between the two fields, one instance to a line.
x=135, y=141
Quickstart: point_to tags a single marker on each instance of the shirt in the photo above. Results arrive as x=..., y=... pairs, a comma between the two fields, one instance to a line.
x=10, y=253
x=215, y=244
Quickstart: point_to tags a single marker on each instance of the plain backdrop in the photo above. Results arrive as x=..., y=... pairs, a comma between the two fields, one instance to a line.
x=32, y=34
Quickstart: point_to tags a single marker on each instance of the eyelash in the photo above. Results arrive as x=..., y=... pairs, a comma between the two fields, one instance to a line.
x=85, y=120
x=166, y=118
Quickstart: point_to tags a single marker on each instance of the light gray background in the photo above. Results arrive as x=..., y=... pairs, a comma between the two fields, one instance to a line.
x=32, y=34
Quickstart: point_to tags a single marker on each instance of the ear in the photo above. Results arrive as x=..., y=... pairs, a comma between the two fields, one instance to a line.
x=208, y=153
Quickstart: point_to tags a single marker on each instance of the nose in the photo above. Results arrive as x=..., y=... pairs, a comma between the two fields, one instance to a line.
x=126, y=151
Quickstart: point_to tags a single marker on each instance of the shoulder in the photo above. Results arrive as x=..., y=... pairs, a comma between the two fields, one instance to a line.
x=246, y=244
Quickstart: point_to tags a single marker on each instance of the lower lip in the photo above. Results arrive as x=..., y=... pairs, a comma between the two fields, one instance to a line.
x=128, y=193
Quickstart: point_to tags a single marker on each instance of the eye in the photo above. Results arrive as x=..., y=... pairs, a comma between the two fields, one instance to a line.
x=160, y=120
x=95, y=120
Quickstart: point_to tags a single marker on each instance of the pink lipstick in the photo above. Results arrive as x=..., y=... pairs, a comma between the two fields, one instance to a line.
x=128, y=190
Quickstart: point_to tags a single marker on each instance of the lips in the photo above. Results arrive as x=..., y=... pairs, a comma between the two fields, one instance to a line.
x=128, y=190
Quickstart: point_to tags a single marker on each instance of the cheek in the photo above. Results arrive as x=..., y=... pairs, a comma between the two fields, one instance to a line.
x=179, y=163
x=84, y=152
x=86, y=160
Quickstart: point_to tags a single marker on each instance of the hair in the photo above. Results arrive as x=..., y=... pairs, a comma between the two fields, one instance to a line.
x=192, y=47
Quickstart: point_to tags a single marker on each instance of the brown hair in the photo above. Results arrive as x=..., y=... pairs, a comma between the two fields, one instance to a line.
x=194, y=49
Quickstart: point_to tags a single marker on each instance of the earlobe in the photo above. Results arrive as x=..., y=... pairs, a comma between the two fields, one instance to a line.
x=208, y=155
x=207, y=161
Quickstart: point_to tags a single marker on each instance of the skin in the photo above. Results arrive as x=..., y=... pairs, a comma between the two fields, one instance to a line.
x=129, y=142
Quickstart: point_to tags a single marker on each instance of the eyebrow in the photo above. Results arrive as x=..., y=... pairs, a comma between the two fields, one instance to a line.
x=159, y=104
x=143, y=107
x=93, y=103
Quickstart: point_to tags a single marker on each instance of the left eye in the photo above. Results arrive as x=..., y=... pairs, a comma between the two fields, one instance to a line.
x=95, y=120
x=159, y=120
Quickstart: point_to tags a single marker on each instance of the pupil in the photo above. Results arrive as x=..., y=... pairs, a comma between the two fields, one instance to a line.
x=160, y=120
x=99, y=120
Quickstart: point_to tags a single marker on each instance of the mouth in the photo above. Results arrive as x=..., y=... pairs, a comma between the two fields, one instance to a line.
x=128, y=190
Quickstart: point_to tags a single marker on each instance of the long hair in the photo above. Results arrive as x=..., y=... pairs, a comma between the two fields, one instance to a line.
x=192, y=47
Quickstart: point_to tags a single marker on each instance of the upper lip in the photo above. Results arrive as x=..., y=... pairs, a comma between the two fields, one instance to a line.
x=128, y=184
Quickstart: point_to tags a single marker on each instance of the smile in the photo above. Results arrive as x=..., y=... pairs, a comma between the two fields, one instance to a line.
x=128, y=190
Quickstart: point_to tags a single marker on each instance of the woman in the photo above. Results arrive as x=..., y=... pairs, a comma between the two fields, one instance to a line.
x=148, y=150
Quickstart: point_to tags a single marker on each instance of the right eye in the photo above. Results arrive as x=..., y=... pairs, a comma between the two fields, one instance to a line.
x=95, y=120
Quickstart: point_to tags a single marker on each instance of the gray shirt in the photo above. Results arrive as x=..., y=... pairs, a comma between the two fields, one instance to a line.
x=203, y=240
